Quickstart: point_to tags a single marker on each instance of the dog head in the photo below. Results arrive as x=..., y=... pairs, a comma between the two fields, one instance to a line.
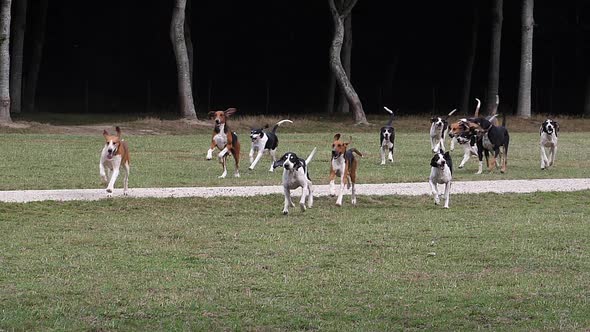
x=386, y=132
x=289, y=161
x=549, y=126
x=257, y=133
x=464, y=138
x=112, y=142
x=339, y=147
x=438, y=160
x=221, y=116
x=438, y=122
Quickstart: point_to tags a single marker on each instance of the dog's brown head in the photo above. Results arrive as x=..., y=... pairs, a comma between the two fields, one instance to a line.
x=339, y=147
x=112, y=142
x=463, y=126
x=221, y=116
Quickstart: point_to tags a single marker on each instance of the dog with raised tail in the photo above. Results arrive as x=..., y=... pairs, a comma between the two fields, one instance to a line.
x=295, y=175
x=344, y=165
x=264, y=141
x=441, y=172
x=387, y=138
x=454, y=127
x=438, y=131
x=114, y=154
x=549, y=131
x=225, y=140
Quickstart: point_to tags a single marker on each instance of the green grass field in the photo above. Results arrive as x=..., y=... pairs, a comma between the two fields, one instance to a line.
x=50, y=161
x=392, y=263
x=497, y=262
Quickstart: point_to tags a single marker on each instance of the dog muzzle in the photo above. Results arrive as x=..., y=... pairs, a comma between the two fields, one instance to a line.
x=277, y=163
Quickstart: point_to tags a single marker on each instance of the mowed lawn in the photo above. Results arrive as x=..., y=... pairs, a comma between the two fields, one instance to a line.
x=501, y=262
x=57, y=161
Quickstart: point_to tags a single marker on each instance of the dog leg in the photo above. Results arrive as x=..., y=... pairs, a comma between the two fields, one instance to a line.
x=480, y=169
x=552, y=152
x=273, y=155
x=341, y=193
x=103, y=174
x=211, y=149
x=434, y=189
x=258, y=156
x=447, y=194
x=453, y=140
x=304, y=191
x=224, y=164
x=544, y=161
x=114, y=176
x=332, y=185
x=222, y=153
x=251, y=155
x=126, y=179
x=390, y=156
x=466, y=157
x=382, y=151
x=287, y=193
x=310, y=195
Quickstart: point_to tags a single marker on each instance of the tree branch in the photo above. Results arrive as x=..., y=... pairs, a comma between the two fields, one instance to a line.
x=347, y=8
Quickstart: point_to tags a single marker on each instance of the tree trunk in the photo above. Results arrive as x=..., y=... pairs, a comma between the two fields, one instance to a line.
x=494, y=70
x=587, y=100
x=187, y=107
x=331, y=94
x=189, y=42
x=336, y=64
x=526, y=60
x=36, y=57
x=5, y=61
x=346, y=62
x=19, y=24
x=467, y=74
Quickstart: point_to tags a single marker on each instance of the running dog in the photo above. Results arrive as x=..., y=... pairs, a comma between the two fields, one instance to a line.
x=295, y=175
x=438, y=131
x=387, y=138
x=441, y=172
x=344, y=165
x=264, y=141
x=114, y=154
x=549, y=132
x=468, y=142
x=225, y=140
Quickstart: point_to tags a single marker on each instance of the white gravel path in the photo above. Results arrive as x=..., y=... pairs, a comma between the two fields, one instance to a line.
x=404, y=189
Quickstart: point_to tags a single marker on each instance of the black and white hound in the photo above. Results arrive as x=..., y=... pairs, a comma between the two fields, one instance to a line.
x=264, y=141
x=438, y=131
x=549, y=132
x=387, y=138
x=295, y=175
x=441, y=172
x=468, y=142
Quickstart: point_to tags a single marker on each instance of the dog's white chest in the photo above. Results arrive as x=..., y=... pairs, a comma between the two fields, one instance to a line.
x=338, y=165
x=220, y=140
x=441, y=176
x=548, y=140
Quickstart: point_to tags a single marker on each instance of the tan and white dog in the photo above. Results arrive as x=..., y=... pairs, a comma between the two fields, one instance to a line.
x=225, y=140
x=114, y=154
x=343, y=165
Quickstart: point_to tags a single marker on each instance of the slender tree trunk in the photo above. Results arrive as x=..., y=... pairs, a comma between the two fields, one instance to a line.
x=346, y=62
x=36, y=57
x=189, y=42
x=331, y=93
x=187, y=107
x=587, y=99
x=494, y=70
x=5, y=61
x=19, y=24
x=526, y=60
x=336, y=64
x=467, y=74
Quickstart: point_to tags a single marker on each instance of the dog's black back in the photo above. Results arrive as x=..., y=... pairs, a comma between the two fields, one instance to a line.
x=449, y=161
x=272, y=140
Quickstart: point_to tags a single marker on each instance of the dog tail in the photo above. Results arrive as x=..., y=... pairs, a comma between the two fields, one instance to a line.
x=477, y=108
x=390, y=121
x=357, y=152
x=274, y=129
x=451, y=113
x=310, y=157
x=504, y=121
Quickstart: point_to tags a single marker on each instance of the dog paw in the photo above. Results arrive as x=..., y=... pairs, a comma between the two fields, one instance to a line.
x=125, y=193
x=271, y=170
x=382, y=163
x=251, y=168
x=221, y=176
x=446, y=206
x=436, y=200
x=237, y=175
x=461, y=166
x=285, y=212
x=302, y=206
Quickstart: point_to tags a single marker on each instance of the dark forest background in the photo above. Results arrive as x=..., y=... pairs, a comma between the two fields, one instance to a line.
x=272, y=55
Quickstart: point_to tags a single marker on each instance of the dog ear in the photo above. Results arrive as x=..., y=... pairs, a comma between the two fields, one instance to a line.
x=118, y=130
x=280, y=162
x=230, y=111
x=432, y=120
x=337, y=137
x=211, y=114
x=105, y=133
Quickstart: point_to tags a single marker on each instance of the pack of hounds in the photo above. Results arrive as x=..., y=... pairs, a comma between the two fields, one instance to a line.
x=478, y=136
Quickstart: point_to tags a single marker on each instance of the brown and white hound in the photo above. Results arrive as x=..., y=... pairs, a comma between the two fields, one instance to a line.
x=114, y=154
x=344, y=165
x=225, y=140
